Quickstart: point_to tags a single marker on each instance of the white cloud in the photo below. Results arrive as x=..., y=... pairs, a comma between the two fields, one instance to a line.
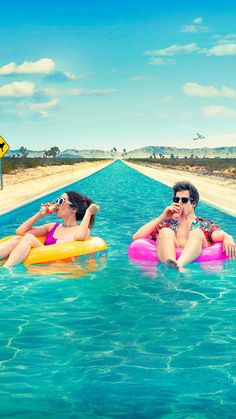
x=213, y=111
x=18, y=89
x=78, y=92
x=43, y=107
x=220, y=50
x=51, y=91
x=42, y=66
x=227, y=92
x=161, y=61
x=70, y=75
x=197, y=90
x=189, y=28
x=198, y=20
x=173, y=50
x=225, y=39
x=143, y=78
x=195, y=26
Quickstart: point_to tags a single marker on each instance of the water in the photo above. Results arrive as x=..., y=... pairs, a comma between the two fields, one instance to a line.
x=115, y=339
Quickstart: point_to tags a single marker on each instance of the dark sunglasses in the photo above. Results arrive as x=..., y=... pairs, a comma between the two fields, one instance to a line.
x=184, y=200
x=60, y=201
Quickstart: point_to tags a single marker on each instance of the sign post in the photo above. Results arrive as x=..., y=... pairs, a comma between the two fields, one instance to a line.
x=4, y=147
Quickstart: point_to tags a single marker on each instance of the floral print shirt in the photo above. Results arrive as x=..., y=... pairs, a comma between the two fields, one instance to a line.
x=206, y=226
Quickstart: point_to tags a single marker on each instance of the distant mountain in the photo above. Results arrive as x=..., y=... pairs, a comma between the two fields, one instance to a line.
x=144, y=152
x=73, y=153
x=159, y=151
x=31, y=153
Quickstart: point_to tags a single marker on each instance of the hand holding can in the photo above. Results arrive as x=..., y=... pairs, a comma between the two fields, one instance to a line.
x=48, y=208
x=176, y=215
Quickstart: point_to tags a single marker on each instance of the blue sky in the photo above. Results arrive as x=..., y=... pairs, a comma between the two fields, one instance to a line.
x=125, y=74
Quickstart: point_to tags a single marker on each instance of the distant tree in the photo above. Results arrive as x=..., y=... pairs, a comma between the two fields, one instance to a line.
x=53, y=152
x=124, y=152
x=45, y=153
x=172, y=156
x=113, y=151
x=160, y=155
x=150, y=156
x=192, y=156
x=23, y=152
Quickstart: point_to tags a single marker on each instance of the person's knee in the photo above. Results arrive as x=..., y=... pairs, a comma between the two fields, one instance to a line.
x=15, y=239
x=29, y=239
x=166, y=232
x=197, y=234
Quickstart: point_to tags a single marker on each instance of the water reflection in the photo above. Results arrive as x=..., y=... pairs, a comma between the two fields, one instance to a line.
x=80, y=267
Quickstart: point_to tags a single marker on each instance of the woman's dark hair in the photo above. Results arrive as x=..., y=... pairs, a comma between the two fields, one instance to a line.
x=187, y=186
x=80, y=203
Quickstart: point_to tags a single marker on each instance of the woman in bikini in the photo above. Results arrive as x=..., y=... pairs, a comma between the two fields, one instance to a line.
x=71, y=207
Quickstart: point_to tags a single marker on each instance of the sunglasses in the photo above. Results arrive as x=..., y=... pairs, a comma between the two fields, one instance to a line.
x=60, y=201
x=184, y=200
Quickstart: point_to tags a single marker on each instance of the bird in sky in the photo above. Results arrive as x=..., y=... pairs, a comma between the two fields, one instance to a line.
x=198, y=137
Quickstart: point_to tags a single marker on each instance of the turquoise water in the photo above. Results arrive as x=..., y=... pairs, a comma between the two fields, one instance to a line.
x=115, y=339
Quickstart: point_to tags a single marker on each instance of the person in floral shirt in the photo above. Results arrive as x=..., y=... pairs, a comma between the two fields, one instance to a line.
x=179, y=227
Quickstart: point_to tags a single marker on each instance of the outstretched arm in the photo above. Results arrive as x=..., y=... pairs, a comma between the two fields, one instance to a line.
x=227, y=240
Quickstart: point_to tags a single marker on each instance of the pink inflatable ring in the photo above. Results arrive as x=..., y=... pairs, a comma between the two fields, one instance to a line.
x=145, y=249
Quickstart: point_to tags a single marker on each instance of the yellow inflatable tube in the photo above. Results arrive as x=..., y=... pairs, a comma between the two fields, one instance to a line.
x=63, y=251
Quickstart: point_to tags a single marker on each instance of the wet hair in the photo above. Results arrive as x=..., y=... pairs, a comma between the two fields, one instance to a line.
x=80, y=203
x=187, y=186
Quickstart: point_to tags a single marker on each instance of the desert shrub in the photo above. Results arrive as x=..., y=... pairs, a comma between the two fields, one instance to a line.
x=204, y=165
x=10, y=164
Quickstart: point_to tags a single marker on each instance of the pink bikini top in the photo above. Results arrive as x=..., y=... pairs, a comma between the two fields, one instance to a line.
x=50, y=239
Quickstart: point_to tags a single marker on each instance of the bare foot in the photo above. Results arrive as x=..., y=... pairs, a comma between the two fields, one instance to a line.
x=172, y=264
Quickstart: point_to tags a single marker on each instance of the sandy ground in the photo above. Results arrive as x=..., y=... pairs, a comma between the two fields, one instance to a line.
x=218, y=191
x=26, y=185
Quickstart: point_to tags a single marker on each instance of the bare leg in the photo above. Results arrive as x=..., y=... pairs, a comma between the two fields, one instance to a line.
x=193, y=248
x=7, y=246
x=21, y=251
x=166, y=245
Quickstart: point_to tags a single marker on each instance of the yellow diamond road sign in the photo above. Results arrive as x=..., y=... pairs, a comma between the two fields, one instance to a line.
x=4, y=147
